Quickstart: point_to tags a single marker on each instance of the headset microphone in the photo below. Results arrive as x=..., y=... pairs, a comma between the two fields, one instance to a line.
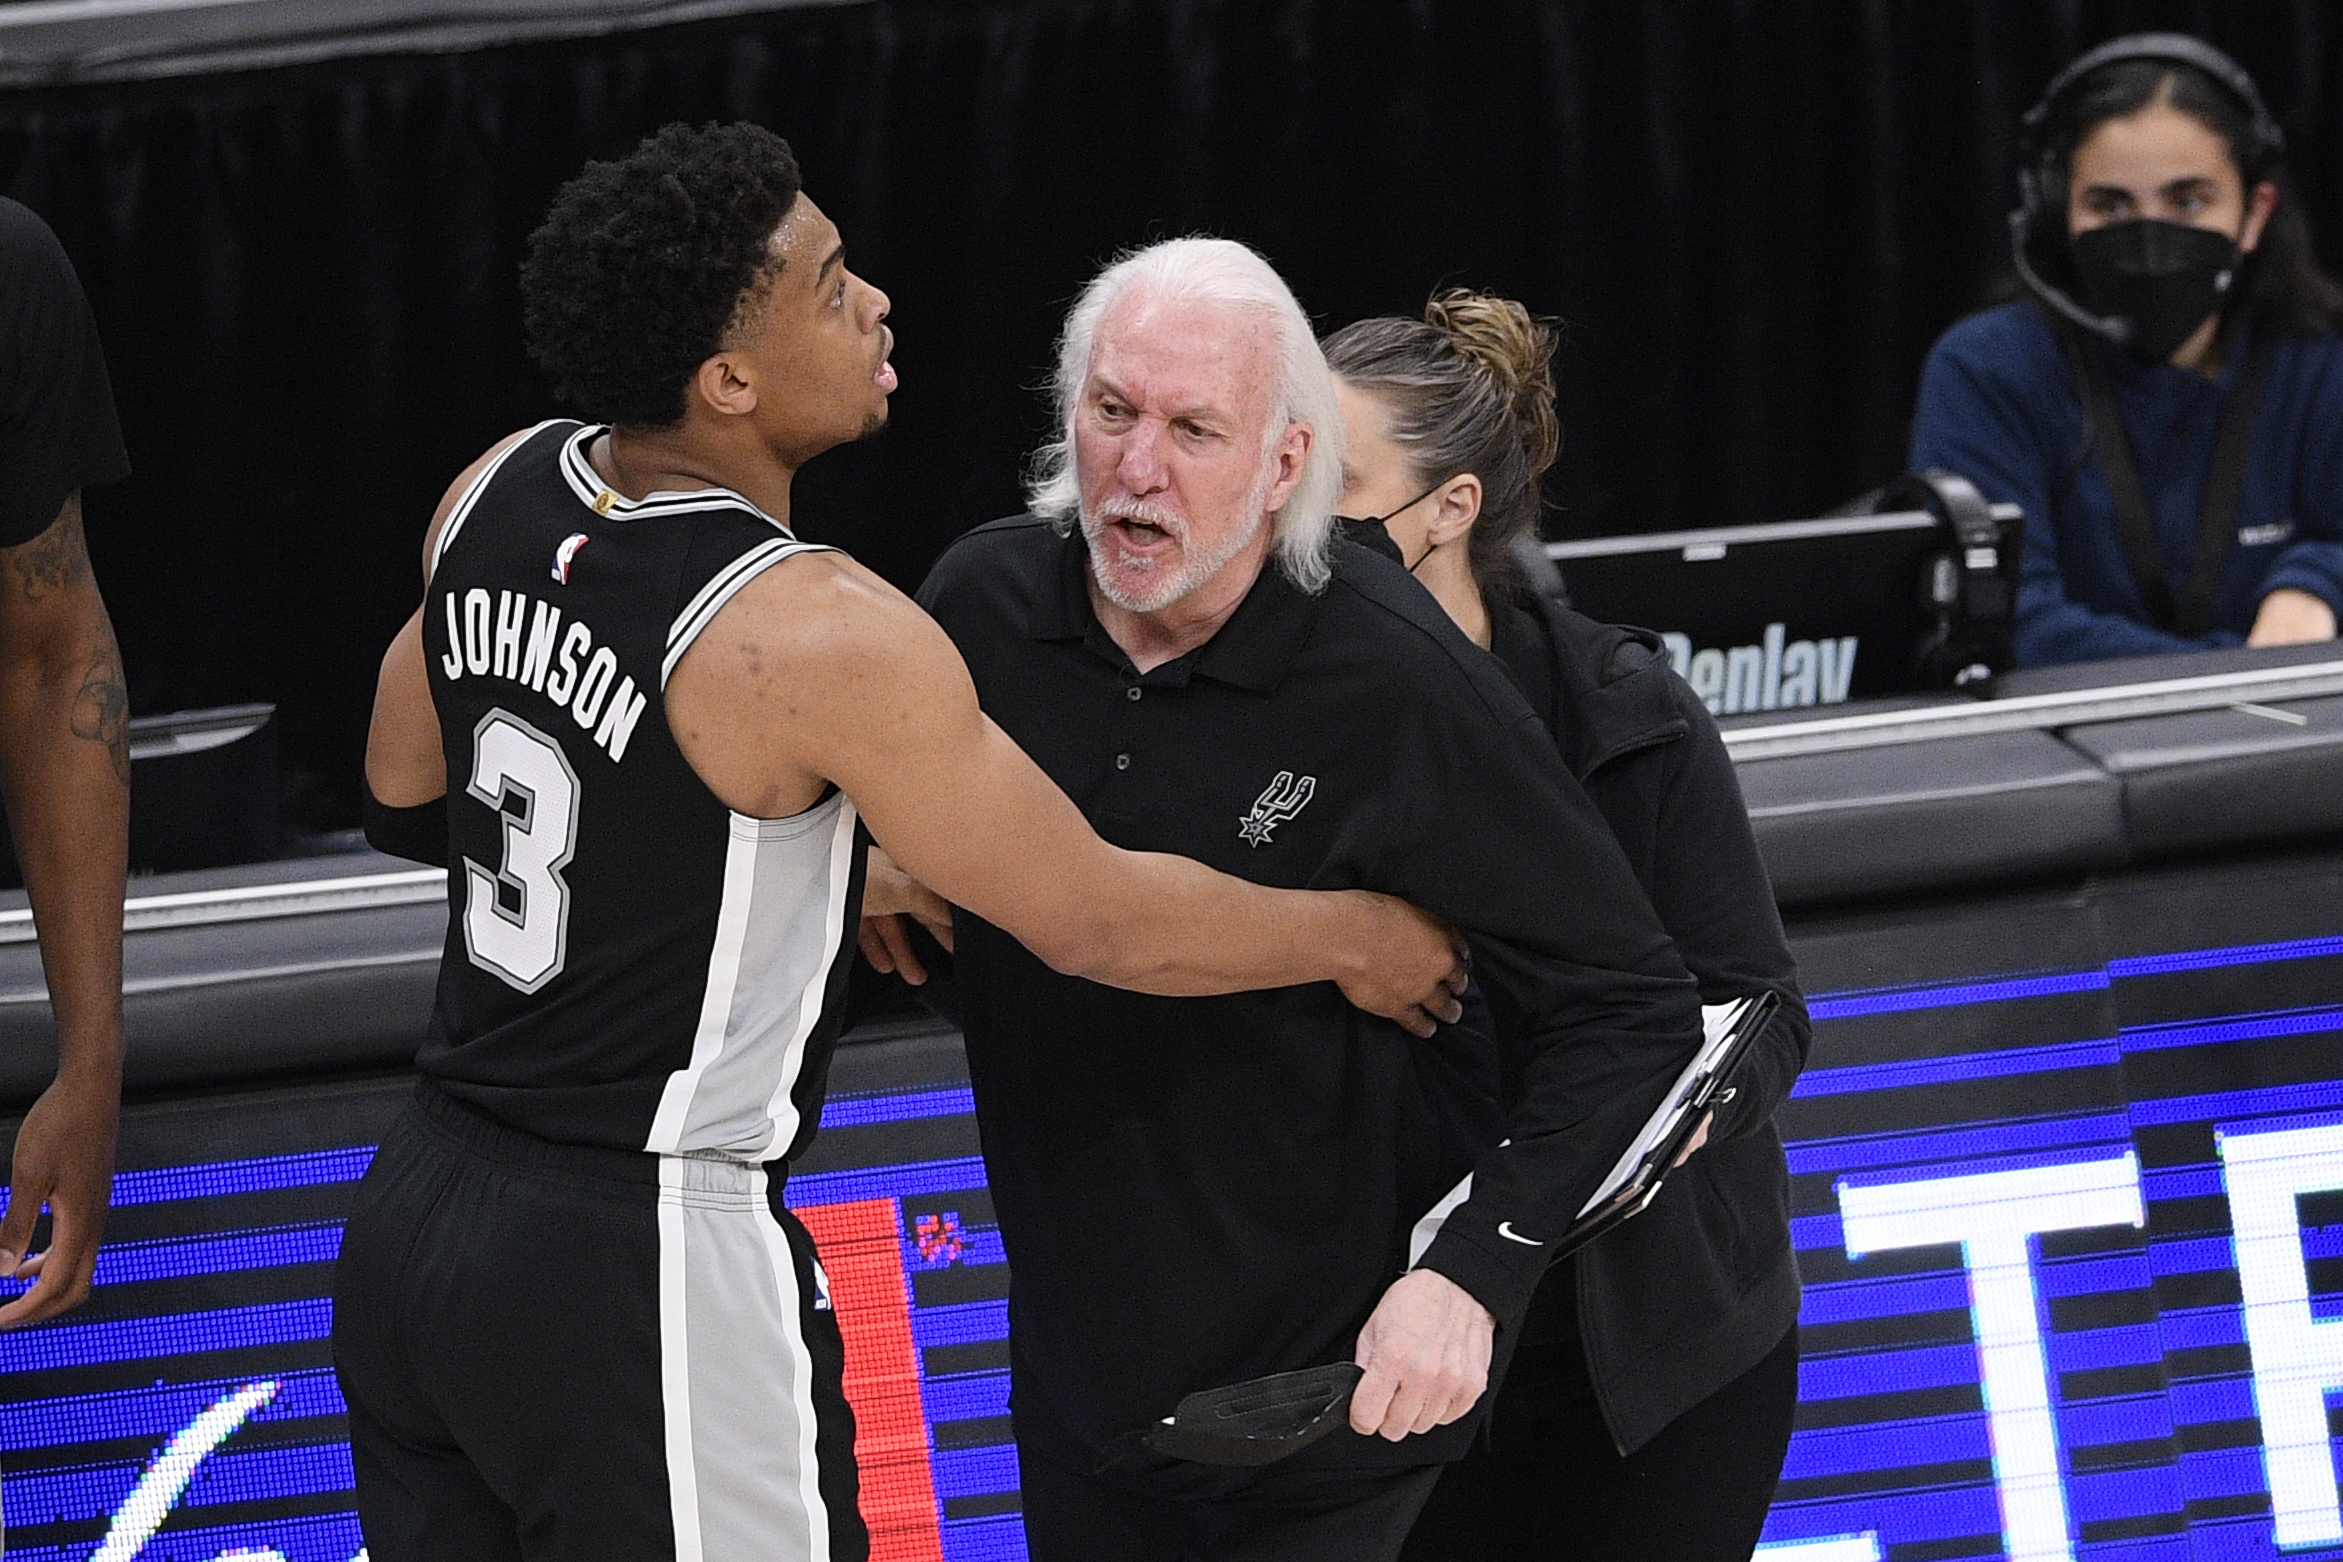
x=2041, y=181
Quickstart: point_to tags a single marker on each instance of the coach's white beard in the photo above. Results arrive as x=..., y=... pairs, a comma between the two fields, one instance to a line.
x=1192, y=570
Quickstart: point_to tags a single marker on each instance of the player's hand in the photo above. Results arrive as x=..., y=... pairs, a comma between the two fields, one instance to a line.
x=1409, y=966
x=888, y=890
x=889, y=896
x=64, y=1159
x=1426, y=1355
x=886, y=944
x=1699, y=1138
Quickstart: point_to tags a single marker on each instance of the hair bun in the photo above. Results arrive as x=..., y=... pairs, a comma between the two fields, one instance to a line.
x=1516, y=349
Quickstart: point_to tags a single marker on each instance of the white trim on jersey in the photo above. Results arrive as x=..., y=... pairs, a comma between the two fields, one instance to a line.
x=782, y=1108
x=587, y=484
x=675, y=1102
x=675, y=1376
x=780, y=930
x=801, y=1379
x=727, y=583
x=472, y=491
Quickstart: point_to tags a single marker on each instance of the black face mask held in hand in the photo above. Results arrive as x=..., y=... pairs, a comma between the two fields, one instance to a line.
x=2162, y=279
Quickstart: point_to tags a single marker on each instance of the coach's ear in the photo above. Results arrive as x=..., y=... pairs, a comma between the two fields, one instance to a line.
x=720, y=383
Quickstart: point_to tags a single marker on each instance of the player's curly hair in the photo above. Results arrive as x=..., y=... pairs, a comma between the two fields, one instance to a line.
x=641, y=266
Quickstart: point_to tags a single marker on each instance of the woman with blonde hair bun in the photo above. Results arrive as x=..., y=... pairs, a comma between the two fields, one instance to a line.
x=1649, y=1399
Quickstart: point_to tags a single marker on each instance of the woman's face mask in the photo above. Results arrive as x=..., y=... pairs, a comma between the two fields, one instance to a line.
x=2160, y=214
x=1371, y=532
x=2165, y=278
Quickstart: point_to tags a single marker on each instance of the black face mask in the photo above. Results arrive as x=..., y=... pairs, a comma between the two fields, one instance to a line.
x=1372, y=534
x=2162, y=279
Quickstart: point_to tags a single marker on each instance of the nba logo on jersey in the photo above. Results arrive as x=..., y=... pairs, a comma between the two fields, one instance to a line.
x=566, y=552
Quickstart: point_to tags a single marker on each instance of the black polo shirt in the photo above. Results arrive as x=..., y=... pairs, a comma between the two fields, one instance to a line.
x=1195, y=1191
x=58, y=433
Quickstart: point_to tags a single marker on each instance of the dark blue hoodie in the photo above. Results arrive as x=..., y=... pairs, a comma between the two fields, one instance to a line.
x=1998, y=405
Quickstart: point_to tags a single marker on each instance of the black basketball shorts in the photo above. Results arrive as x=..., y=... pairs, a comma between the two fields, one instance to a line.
x=557, y=1353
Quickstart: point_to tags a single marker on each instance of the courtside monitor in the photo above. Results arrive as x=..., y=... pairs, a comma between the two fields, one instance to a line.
x=1783, y=615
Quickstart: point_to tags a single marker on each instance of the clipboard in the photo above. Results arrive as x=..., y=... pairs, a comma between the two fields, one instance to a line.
x=1729, y=1030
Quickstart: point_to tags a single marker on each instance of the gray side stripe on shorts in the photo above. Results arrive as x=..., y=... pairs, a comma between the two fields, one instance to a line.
x=743, y=1479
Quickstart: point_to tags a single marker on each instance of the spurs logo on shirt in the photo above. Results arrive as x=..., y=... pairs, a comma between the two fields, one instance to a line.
x=1278, y=802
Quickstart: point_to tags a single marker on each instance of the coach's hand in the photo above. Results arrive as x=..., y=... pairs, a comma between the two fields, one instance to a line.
x=1426, y=1355
x=889, y=896
x=1407, y=965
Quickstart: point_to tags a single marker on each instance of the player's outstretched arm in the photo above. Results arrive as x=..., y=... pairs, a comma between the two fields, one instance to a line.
x=820, y=670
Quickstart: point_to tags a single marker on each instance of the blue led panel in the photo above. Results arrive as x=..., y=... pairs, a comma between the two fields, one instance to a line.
x=2067, y=1181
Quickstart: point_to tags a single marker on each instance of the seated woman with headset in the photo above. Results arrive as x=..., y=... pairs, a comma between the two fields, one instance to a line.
x=2167, y=402
x=1650, y=1396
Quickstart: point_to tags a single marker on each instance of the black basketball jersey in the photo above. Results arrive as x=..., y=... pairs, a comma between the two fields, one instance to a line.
x=629, y=962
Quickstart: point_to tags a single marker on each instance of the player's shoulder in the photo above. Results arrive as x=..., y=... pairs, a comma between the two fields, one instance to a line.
x=468, y=483
x=1388, y=614
x=806, y=616
x=544, y=438
x=812, y=594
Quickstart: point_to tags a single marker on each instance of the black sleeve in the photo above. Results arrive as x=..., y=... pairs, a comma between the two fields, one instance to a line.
x=58, y=432
x=418, y=834
x=1510, y=848
x=1709, y=885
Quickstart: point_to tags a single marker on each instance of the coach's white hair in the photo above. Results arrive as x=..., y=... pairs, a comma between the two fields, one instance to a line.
x=1219, y=271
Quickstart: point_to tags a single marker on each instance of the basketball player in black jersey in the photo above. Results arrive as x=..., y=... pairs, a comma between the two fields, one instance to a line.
x=645, y=726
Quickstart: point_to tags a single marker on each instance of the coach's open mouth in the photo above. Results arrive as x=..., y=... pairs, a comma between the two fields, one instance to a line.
x=1140, y=536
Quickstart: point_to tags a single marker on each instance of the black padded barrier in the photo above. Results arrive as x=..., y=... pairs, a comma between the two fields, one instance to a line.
x=2237, y=771
x=287, y=968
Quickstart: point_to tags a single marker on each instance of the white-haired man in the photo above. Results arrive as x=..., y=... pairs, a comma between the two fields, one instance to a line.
x=1194, y=1192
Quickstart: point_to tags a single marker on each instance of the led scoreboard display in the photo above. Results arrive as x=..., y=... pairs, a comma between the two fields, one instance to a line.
x=2068, y=1197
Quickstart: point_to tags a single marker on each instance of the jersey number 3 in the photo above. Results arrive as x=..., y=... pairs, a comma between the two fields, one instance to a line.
x=516, y=918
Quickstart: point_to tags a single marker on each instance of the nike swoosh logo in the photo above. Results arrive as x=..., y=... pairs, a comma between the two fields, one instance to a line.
x=1505, y=1230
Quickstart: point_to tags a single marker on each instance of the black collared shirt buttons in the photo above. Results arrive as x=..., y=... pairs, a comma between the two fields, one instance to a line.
x=1122, y=761
x=1131, y=693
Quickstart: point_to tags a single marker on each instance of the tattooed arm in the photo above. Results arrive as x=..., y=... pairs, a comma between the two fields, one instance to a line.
x=65, y=771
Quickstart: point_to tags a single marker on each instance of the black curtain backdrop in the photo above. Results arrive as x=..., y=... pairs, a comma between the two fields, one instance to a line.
x=1753, y=216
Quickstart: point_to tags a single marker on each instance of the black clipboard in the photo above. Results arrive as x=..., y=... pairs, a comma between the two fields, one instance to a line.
x=1730, y=1030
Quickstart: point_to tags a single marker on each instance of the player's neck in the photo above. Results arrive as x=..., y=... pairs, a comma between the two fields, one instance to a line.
x=639, y=462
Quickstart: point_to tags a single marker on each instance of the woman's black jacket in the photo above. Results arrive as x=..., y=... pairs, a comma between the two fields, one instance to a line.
x=1688, y=1295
